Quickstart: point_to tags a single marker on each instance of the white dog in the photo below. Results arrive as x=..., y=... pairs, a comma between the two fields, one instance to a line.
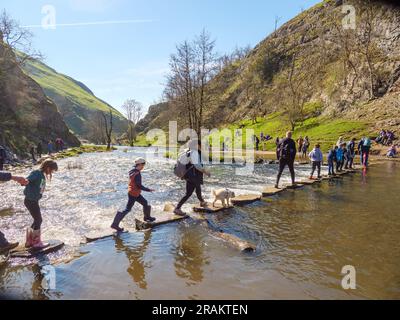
x=223, y=195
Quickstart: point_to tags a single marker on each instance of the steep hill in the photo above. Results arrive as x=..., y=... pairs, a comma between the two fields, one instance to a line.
x=27, y=116
x=341, y=81
x=75, y=101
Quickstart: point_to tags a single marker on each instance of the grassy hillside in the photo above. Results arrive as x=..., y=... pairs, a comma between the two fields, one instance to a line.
x=76, y=103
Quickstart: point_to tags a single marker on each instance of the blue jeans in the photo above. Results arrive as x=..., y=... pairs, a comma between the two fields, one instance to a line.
x=331, y=168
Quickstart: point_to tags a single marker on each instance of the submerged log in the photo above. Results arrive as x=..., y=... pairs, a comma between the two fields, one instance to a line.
x=242, y=245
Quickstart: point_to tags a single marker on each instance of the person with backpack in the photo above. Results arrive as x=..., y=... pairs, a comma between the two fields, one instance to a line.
x=191, y=169
x=316, y=158
x=287, y=155
x=135, y=195
x=365, y=151
x=351, y=153
x=3, y=157
x=331, y=161
x=39, y=150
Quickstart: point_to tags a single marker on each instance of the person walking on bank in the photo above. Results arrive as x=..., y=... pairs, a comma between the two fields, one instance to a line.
x=3, y=157
x=50, y=147
x=287, y=156
x=135, y=195
x=316, y=158
x=33, y=154
x=306, y=145
x=194, y=176
x=300, y=143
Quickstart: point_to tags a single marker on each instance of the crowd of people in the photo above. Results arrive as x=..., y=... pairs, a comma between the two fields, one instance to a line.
x=339, y=158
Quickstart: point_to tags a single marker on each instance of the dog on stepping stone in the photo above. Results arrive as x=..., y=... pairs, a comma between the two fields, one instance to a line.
x=223, y=195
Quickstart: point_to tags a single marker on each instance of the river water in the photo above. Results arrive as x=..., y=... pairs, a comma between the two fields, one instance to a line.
x=304, y=238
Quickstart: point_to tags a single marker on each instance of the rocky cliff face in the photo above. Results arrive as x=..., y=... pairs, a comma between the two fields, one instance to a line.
x=27, y=116
x=340, y=73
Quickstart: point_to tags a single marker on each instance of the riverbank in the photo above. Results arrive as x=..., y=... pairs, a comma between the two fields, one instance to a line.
x=68, y=153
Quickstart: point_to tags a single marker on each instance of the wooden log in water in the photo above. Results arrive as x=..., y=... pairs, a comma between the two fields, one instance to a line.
x=271, y=191
x=22, y=252
x=211, y=209
x=245, y=199
x=242, y=245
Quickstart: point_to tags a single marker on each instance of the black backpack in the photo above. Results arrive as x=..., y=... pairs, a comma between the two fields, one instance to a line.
x=285, y=150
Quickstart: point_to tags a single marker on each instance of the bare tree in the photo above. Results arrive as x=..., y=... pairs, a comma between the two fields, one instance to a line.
x=192, y=66
x=16, y=40
x=134, y=112
x=108, y=127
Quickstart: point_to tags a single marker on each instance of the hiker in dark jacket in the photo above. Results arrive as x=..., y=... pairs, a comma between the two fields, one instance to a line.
x=287, y=155
x=3, y=157
x=135, y=195
x=360, y=149
x=194, y=176
x=351, y=153
x=331, y=161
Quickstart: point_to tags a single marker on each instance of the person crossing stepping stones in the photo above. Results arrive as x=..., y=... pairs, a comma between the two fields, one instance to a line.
x=135, y=190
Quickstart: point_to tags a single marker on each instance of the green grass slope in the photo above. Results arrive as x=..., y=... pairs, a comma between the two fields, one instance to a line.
x=76, y=102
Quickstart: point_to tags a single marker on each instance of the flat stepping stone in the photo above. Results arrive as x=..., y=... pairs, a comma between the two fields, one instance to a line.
x=294, y=187
x=101, y=235
x=22, y=252
x=271, y=191
x=308, y=182
x=245, y=199
x=162, y=218
x=211, y=209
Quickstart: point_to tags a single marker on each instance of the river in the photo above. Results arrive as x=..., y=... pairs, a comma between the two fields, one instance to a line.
x=304, y=237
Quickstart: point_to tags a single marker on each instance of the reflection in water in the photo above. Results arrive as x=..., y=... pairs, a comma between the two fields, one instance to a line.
x=135, y=255
x=189, y=256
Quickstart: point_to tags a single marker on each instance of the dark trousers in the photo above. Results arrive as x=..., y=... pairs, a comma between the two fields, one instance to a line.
x=331, y=170
x=316, y=165
x=1, y=164
x=339, y=165
x=34, y=210
x=131, y=202
x=349, y=162
x=282, y=164
x=190, y=188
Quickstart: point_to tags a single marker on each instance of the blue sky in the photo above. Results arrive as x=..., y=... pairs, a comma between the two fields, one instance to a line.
x=130, y=60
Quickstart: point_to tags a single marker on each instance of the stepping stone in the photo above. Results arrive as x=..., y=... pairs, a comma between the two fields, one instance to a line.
x=211, y=209
x=271, y=191
x=3, y=260
x=101, y=235
x=162, y=218
x=245, y=199
x=22, y=252
x=291, y=187
x=308, y=182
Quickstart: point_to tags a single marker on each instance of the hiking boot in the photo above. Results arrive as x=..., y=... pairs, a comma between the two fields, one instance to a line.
x=28, y=241
x=179, y=212
x=117, y=220
x=147, y=215
x=203, y=204
x=37, y=240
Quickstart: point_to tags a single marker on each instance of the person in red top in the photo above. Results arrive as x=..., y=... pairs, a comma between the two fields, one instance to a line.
x=135, y=195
